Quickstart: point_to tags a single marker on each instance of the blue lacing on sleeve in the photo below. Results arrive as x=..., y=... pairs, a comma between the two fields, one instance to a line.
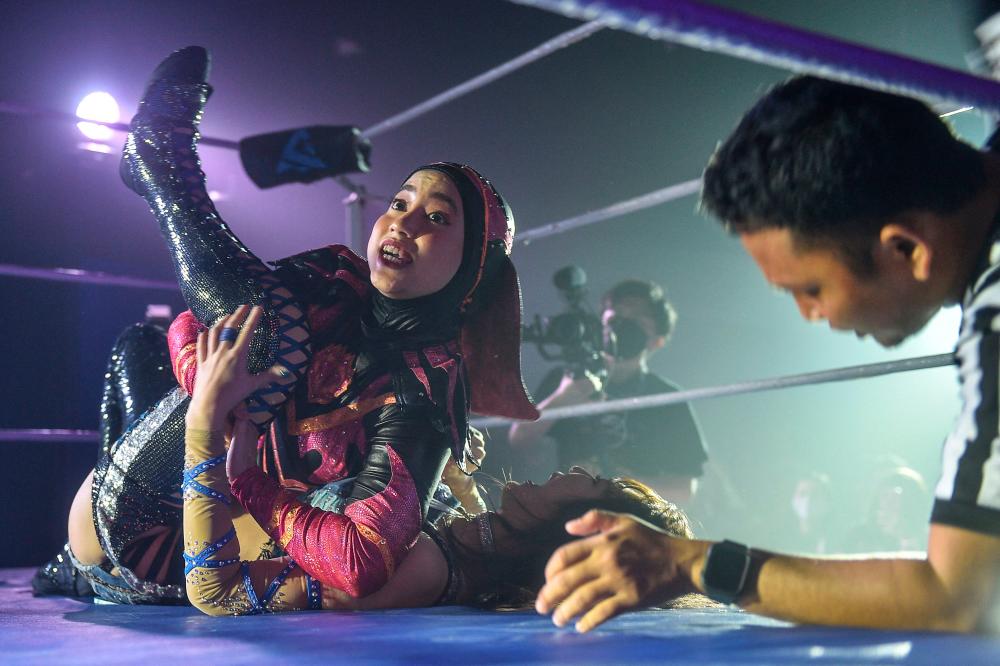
x=190, y=479
x=192, y=562
x=259, y=605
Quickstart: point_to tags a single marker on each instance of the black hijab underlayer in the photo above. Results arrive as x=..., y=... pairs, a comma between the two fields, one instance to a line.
x=435, y=317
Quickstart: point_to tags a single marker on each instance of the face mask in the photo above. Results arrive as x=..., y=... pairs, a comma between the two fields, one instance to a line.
x=625, y=338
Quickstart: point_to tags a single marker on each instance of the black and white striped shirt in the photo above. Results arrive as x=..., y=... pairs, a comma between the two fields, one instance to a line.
x=968, y=493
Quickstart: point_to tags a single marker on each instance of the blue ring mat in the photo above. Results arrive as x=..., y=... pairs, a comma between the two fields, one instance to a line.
x=56, y=630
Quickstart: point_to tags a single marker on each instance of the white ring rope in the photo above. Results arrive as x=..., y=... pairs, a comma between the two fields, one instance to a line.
x=79, y=275
x=47, y=435
x=753, y=386
x=624, y=405
x=551, y=46
x=641, y=202
x=7, y=108
x=748, y=37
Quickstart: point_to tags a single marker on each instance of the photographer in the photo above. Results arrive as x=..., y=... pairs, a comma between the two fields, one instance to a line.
x=661, y=444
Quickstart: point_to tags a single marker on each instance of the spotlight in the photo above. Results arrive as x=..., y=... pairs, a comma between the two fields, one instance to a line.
x=95, y=147
x=98, y=106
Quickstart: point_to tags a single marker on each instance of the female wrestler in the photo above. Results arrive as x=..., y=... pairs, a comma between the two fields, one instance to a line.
x=495, y=558
x=382, y=359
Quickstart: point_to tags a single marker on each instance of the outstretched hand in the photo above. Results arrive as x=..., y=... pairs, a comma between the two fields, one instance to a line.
x=223, y=381
x=622, y=564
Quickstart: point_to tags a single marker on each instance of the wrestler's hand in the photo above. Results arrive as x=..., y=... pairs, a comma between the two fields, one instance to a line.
x=334, y=599
x=223, y=380
x=463, y=486
x=623, y=564
x=477, y=446
x=242, y=448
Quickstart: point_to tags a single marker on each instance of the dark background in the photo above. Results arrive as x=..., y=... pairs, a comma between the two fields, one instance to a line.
x=607, y=119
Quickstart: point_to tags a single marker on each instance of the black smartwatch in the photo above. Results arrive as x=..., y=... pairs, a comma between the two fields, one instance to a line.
x=725, y=572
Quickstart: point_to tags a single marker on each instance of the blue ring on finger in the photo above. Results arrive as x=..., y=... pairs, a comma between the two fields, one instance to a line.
x=228, y=334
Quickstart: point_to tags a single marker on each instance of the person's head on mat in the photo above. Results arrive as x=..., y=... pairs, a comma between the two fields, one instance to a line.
x=496, y=559
x=860, y=204
x=530, y=525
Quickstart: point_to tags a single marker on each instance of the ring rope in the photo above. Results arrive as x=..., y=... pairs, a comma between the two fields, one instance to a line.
x=490, y=75
x=747, y=37
x=623, y=405
x=81, y=276
x=655, y=198
x=753, y=386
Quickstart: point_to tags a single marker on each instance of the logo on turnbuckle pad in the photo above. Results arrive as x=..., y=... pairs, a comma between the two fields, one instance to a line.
x=299, y=154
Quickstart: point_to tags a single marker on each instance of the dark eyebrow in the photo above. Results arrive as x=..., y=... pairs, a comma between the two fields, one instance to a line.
x=441, y=196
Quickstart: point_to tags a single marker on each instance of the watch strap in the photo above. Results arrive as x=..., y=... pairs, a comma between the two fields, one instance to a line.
x=725, y=572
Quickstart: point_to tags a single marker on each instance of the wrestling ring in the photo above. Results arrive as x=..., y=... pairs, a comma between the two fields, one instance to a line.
x=45, y=630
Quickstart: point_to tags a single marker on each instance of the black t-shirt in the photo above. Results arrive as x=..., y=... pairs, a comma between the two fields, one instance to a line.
x=653, y=442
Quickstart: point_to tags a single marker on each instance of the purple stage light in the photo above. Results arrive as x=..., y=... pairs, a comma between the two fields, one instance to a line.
x=103, y=108
x=93, y=146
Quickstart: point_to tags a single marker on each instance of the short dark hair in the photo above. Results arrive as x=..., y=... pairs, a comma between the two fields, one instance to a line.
x=832, y=162
x=663, y=314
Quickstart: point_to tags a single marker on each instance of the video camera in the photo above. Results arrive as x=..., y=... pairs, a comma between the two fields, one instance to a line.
x=576, y=334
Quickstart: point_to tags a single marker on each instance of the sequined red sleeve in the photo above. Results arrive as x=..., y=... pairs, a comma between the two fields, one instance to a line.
x=181, y=340
x=356, y=552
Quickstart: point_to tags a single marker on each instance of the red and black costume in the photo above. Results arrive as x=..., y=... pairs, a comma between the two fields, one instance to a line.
x=379, y=389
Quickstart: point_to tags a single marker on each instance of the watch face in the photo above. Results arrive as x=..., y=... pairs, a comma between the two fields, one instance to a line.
x=725, y=571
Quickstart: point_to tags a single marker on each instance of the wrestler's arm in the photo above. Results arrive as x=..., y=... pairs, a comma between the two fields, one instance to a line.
x=626, y=564
x=418, y=581
x=356, y=551
x=217, y=581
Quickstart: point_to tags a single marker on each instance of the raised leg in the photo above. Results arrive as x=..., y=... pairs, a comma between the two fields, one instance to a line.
x=216, y=272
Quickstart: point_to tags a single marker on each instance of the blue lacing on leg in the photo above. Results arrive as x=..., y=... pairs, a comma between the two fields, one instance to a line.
x=191, y=483
x=315, y=593
x=257, y=402
x=192, y=562
x=258, y=606
x=287, y=323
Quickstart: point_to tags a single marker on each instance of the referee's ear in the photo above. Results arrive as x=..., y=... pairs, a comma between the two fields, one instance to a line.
x=906, y=246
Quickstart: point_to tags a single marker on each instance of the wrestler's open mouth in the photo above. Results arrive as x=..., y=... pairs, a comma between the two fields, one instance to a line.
x=392, y=253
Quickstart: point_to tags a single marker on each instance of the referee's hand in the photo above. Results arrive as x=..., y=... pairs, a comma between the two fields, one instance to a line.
x=622, y=564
